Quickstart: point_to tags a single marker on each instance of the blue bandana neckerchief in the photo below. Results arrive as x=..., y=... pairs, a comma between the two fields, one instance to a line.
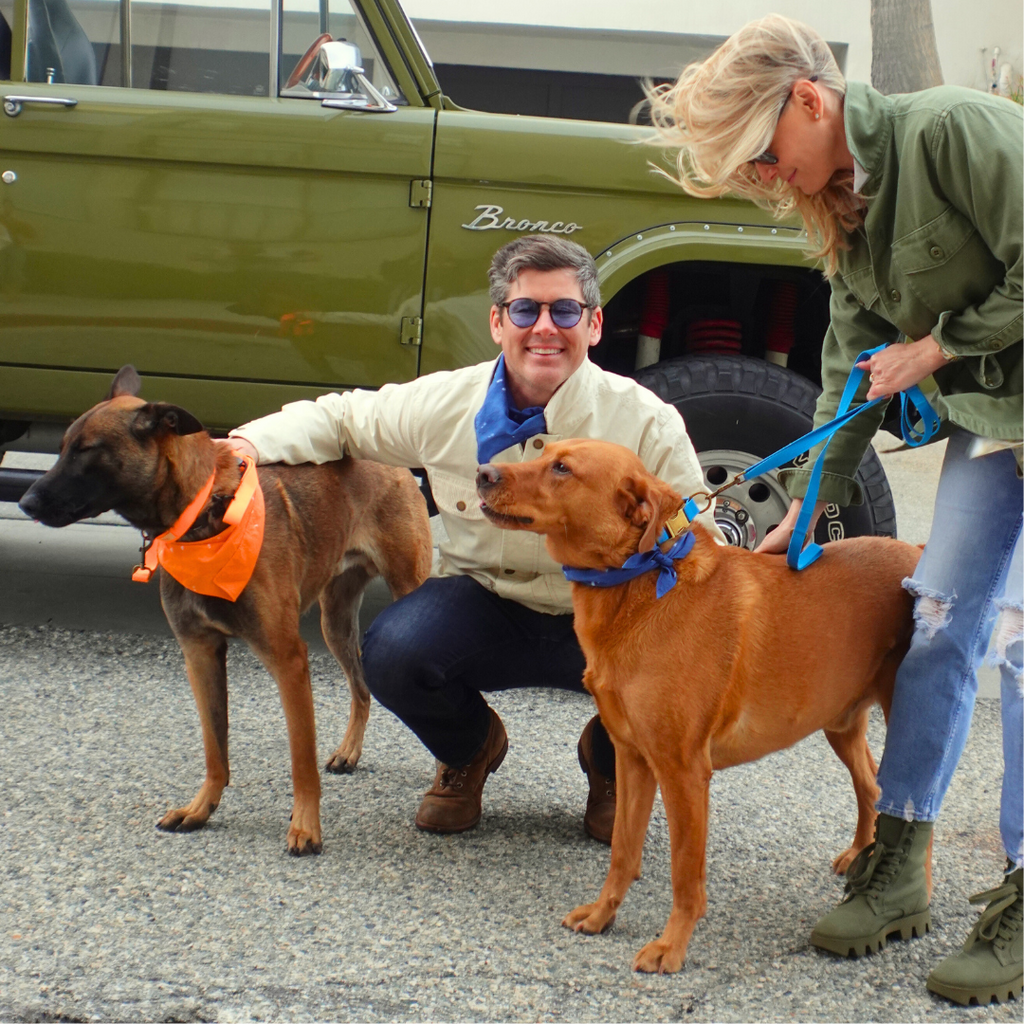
x=646, y=561
x=499, y=424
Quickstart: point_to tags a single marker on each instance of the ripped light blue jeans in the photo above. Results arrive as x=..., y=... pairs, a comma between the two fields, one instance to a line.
x=968, y=582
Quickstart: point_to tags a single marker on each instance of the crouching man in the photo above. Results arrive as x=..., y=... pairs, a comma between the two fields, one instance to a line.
x=499, y=614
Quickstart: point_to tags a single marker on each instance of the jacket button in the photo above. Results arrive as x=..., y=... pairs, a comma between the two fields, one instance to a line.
x=896, y=295
x=936, y=252
x=538, y=443
x=461, y=506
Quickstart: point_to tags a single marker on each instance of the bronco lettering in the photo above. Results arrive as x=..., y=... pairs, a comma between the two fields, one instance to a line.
x=487, y=220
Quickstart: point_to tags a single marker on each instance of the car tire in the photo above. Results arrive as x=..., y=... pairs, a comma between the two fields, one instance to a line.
x=739, y=410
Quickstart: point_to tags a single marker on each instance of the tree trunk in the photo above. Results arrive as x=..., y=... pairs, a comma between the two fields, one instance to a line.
x=904, y=57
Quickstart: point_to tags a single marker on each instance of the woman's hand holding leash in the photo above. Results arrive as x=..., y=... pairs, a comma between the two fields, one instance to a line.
x=890, y=370
x=898, y=367
x=777, y=541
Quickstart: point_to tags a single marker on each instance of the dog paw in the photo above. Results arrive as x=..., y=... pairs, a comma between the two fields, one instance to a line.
x=184, y=819
x=660, y=957
x=844, y=860
x=341, y=764
x=590, y=918
x=302, y=843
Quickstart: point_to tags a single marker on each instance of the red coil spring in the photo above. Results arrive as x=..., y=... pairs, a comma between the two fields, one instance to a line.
x=710, y=335
x=781, y=332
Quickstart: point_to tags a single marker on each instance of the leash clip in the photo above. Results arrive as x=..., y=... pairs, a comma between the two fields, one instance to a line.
x=709, y=498
x=143, y=573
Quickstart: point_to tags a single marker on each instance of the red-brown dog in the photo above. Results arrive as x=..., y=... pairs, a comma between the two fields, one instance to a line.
x=743, y=656
x=329, y=530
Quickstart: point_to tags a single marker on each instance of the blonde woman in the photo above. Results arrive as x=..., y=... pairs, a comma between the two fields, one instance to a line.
x=914, y=205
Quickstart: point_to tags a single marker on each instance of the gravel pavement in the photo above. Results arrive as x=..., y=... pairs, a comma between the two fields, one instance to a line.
x=106, y=918
x=102, y=917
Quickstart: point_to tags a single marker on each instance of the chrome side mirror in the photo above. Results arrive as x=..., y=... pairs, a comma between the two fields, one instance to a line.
x=341, y=72
x=336, y=77
x=339, y=61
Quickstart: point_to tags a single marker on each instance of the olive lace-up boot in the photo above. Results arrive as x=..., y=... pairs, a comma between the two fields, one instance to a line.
x=454, y=803
x=886, y=891
x=989, y=967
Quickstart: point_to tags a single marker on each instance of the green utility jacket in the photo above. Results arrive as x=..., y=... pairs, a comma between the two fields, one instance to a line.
x=939, y=253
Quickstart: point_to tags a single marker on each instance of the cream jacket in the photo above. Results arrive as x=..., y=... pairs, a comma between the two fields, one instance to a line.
x=428, y=423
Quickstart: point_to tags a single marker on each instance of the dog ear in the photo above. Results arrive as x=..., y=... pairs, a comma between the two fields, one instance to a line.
x=127, y=382
x=159, y=419
x=652, y=509
x=644, y=502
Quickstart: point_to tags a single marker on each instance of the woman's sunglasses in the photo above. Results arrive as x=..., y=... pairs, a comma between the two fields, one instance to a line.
x=768, y=157
x=565, y=313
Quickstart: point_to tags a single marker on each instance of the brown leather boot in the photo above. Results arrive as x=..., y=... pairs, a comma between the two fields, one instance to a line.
x=599, y=816
x=453, y=803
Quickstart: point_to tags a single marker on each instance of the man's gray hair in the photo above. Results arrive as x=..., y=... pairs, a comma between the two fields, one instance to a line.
x=543, y=252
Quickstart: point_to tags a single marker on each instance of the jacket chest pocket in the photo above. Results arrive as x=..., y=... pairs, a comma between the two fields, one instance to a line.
x=861, y=282
x=946, y=264
x=456, y=496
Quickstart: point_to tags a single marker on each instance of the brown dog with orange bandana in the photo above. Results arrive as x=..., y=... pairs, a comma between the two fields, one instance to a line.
x=326, y=532
x=742, y=656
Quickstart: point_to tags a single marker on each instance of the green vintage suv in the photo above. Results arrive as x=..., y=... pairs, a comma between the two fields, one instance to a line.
x=255, y=201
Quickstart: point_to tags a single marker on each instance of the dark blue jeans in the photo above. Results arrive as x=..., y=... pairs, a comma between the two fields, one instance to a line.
x=428, y=656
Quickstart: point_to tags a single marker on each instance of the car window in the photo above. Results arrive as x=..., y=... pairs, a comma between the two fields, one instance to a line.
x=70, y=40
x=326, y=50
x=218, y=46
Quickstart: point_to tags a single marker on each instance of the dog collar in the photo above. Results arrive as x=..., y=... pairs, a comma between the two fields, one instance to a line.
x=679, y=522
x=222, y=565
x=144, y=573
x=637, y=565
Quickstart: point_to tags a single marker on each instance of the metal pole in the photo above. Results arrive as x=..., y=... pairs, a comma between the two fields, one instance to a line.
x=275, y=46
x=323, y=16
x=126, y=43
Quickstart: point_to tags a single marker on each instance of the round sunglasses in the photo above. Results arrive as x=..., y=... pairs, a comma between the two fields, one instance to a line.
x=564, y=313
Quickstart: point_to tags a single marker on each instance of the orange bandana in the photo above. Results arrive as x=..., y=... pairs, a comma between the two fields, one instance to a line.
x=222, y=565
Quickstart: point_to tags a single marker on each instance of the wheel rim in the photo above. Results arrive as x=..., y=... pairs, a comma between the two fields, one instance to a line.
x=746, y=512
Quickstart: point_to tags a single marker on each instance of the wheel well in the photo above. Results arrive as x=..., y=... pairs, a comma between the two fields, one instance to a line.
x=740, y=309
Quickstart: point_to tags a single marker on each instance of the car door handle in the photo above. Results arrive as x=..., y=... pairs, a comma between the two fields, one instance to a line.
x=12, y=104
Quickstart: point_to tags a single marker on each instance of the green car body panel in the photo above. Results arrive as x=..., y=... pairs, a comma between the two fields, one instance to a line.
x=245, y=251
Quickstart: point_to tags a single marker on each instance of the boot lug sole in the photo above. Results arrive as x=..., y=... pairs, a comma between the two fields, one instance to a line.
x=983, y=995
x=915, y=926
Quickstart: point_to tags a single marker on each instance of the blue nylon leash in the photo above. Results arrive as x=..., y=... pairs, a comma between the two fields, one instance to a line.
x=798, y=556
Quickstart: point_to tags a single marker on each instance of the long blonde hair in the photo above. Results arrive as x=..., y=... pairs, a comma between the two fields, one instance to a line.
x=723, y=111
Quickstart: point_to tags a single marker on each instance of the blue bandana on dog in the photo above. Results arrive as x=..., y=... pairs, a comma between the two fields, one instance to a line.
x=637, y=565
x=499, y=424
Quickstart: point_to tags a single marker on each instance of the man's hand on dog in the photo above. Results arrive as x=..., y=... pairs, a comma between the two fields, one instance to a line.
x=240, y=445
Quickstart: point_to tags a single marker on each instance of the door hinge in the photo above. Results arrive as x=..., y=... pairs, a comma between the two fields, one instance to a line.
x=420, y=192
x=412, y=331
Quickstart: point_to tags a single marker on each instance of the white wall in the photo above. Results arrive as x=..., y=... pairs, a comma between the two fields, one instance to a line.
x=604, y=31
